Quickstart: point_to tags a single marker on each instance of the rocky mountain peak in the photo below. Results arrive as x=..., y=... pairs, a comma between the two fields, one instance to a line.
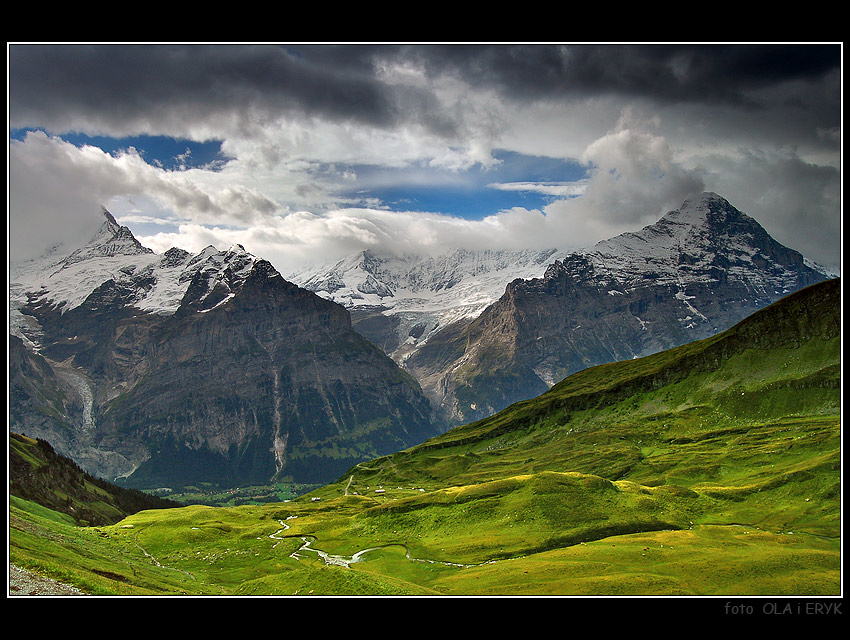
x=111, y=240
x=705, y=240
x=113, y=265
x=174, y=257
x=697, y=208
x=708, y=215
x=111, y=222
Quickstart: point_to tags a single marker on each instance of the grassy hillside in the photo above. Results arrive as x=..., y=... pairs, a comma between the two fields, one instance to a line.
x=711, y=469
x=38, y=474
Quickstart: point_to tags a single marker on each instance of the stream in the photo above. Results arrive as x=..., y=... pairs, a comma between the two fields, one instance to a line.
x=347, y=561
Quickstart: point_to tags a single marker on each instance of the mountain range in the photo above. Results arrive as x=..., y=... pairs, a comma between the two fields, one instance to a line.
x=177, y=368
x=180, y=368
x=399, y=302
x=481, y=330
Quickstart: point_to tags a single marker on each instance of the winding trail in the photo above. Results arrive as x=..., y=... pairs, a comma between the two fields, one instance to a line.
x=157, y=562
x=347, y=561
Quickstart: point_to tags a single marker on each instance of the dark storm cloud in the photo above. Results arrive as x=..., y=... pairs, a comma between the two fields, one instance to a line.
x=666, y=72
x=143, y=87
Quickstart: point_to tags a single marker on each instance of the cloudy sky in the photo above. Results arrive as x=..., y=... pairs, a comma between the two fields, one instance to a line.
x=311, y=152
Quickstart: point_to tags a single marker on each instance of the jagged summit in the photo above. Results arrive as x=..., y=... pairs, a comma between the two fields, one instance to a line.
x=424, y=276
x=706, y=240
x=699, y=215
x=398, y=302
x=110, y=219
x=214, y=277
x=710, y=216
x=147, y=281
x=699, y=207
x=111, y=240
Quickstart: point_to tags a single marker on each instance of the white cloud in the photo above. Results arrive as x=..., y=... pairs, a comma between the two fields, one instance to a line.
x=636, y=178
x=56, y=190
x=634, y=182
x=279, y=195
x=796, y=201
x=556, y=189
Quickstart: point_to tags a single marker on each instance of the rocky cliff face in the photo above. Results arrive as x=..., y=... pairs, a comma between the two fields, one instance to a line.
x=177, y=369
x=696, y=272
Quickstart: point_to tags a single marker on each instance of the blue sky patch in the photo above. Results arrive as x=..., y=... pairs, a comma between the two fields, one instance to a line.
x=473, y=193
x=160, y=151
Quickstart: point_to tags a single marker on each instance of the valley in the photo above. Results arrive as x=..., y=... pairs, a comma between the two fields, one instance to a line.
x=709, y=469
x=216, y=496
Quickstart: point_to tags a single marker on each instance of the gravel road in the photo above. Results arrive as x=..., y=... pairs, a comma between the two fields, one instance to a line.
x=25, y=583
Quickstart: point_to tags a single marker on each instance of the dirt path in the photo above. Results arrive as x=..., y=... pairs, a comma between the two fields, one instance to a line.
x=26, y=583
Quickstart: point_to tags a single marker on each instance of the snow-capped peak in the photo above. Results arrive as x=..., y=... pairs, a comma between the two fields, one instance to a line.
x=706, y=239
x=694, y=210
x=155, y=283
x=111, y=240
x=421, y=282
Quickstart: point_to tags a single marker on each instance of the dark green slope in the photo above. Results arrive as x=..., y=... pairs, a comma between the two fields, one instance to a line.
x=39, y=475
x=765, y=393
